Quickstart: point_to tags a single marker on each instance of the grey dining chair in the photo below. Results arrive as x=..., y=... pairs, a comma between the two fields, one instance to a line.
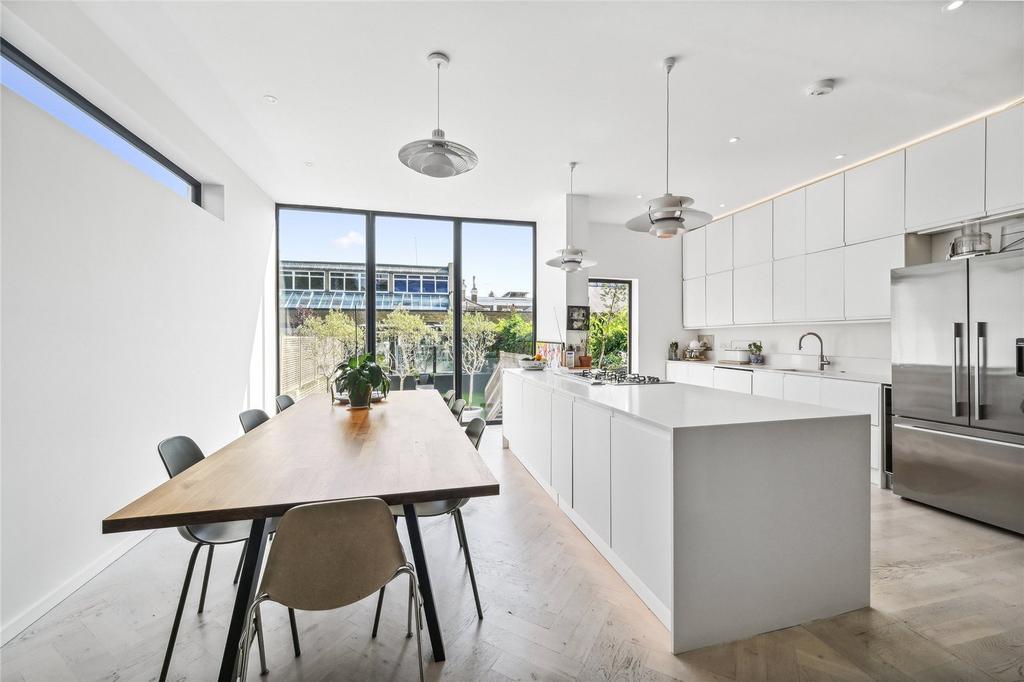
x=252, y=418
x=283, y=402
x=449, y=398
x=474, y=432
x=178, y=453
x=331, y=554
x=457, y=408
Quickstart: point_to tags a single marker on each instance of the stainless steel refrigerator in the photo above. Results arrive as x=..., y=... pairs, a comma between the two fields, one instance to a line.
x=958, y=386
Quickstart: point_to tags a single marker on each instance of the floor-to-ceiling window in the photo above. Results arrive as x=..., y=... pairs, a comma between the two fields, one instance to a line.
x=434, y=298
x=610, y=332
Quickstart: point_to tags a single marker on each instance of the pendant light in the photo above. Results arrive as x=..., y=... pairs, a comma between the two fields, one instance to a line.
x=438, y=157
x=669, y=213
x=570, y=258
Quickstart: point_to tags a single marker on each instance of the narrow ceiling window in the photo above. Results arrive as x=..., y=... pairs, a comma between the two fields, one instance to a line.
x=22, y=76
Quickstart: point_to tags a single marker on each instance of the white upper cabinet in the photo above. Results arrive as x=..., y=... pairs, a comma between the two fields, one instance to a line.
x=789, y=289
x=693, y=254
x=824, y=214
x=719, y=299
x=875, y=199
x=752, y=236
x=825, y=285
x=1004, y=161
x=946, y=178
x=719, y=245
x=752, y=294
x=694, y=306
x=788, y=224
x=866, y=270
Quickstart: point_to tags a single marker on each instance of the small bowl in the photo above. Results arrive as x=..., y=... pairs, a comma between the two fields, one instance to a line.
x=533, y=365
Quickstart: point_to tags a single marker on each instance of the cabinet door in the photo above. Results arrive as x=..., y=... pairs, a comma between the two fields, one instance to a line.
x=825, y=285
x=852, y=396
x=801, y=389
x=866, y=271
x=752, y=236
x=561, y=445
x=719, y=245
x=735, y=380
x=874, y=199
x=825, y=214
x=789, y=291
x=702, y=375
x=946, y=178
x=641, y=503
x=537, y=415
x=693, y=254
x=676, y=371
x=876, y=448
x=719, y=299
x=752, y=294
x=1004, y=161
x=768, y=384
x=694, y=305
x=591, y=485
x=788, y=224
x=511, y=406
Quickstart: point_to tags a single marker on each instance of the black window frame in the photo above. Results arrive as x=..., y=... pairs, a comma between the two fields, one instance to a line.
x=67, y=92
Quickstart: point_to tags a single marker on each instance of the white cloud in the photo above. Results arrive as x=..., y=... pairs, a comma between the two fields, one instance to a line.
x=351, y=239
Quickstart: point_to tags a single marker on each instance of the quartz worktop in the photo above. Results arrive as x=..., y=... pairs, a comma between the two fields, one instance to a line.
x=867, y=377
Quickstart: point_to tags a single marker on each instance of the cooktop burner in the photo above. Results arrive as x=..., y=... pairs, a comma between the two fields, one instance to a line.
x=598, y=377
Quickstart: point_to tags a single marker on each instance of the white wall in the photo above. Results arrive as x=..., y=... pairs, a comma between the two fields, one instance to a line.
x=129, y=315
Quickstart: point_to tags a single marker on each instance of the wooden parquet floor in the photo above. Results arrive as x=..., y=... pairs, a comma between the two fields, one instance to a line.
x=947, y=604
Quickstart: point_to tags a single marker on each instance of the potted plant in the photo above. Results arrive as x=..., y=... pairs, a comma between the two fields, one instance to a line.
x=358, y=377
x=673, y=350
x=756, y=350
x=584, y=359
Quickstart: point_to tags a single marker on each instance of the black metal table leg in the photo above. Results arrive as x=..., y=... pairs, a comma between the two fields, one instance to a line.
x=426, y=594
x=247, y=584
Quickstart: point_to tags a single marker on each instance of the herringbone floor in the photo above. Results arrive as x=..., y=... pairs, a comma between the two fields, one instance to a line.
x=947, y=604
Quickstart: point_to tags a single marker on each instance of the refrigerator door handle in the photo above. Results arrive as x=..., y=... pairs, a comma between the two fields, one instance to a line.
x=1020, y=357
x=955, y=370
x=979, y=371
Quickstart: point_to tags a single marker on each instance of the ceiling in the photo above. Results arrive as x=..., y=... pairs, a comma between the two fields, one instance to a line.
x=534, y=85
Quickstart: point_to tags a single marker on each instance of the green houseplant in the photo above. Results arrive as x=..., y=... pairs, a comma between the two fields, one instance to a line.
x=359, y=376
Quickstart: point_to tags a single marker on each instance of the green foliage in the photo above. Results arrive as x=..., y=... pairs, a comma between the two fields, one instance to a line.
x=609, y=328
x=514, y=334
x=411, y=336
x=334, y=336
x=359, y=375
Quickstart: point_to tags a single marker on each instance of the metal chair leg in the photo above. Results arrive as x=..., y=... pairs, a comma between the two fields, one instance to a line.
x=295, y=633
x=469, y=561
x=376, y=616
x=177, y=615
x=419, y=639
x=408, y=614
x=458, y=534
x=206, y=579
x=238, y=571
x=259, y=642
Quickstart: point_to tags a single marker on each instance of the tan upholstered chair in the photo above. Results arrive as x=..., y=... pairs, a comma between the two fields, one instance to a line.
x=332, y=554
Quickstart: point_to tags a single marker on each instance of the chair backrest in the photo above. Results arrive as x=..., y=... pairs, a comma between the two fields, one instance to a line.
x=330, y=554
x=475, y=431
x=449, y=398
x=252, y=418
x=457, y=407
x=179, y=453
x=283, y=402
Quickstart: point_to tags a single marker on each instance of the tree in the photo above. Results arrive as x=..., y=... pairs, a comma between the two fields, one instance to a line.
x=335, y=337
x=406, y=334
x=514, y=334
x=478, y=338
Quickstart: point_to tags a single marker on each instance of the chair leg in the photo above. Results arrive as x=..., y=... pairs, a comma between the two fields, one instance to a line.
x=259, y=642
x=177, y=615
x=458, y=534
x=206, y=579
x=295, y=633
x=238, y=571
x=376, y=616
x=419, y=639
x=469, y=561
x=408, y=613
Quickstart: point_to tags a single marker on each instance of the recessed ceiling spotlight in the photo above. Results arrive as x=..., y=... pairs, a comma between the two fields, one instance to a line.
x=953, y=6
x=639, y=196
x=721, y=206
x=309, y=164
x=820, y=88
x=839, y=156
x=269, y=99
x=733, y=140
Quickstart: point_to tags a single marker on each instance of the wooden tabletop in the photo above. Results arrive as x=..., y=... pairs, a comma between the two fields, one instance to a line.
x=406, y=449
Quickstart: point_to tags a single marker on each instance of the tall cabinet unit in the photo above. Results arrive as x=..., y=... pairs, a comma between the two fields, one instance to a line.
x=824, y=214
x=1004, y=161
x=946, y=178
x=875, y=199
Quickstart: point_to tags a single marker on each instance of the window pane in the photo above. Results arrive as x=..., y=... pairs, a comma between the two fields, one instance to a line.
x=382, y=282
x=414, y=284
x=428, y=285
x=610, y=324
x=320, y=329
x=316, y=281
x=442, y=285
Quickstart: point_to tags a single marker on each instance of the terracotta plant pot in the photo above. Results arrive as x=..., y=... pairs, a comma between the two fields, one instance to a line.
x=584, y=360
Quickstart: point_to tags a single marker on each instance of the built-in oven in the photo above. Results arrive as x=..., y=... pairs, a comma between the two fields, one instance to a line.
x=887, y=436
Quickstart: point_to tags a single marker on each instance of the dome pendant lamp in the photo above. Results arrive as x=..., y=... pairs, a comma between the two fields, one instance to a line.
x=570, y=258
x=438, y=157
x=668, y=214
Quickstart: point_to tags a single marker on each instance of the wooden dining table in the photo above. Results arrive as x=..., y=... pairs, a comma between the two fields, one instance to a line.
x=404, y=450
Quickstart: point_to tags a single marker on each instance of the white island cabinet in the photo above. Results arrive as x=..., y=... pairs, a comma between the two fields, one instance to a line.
x=729, y=515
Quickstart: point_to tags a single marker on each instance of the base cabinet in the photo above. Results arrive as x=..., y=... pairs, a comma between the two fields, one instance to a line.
x=511, y=408
x=561, y=446
x=536, y=439
x=591, y=482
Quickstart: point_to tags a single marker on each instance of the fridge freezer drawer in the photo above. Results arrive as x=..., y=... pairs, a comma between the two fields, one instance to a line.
x=976, y=477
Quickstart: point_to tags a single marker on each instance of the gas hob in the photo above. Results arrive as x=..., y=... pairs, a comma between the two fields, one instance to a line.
x=599, y=377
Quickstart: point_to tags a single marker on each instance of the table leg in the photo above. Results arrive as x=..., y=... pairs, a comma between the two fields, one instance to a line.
x=420, y=559
x=248, y=581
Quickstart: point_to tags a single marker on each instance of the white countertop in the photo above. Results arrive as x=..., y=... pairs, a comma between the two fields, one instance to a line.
x=827, y=374
x=680, y=406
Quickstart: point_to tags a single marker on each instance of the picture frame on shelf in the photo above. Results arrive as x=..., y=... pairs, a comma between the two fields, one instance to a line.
x=577, y=318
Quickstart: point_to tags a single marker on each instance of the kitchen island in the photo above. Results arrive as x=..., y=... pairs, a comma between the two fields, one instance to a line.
x=729, y=515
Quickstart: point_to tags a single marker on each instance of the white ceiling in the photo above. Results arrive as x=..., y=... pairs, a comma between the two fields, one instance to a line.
x=534, y=85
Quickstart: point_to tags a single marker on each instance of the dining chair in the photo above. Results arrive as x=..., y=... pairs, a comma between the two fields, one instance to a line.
x=331, y=554
x=283, y=402
x=457, y=407
x=252, y=418
x=449, y=398
x=474, y=432
x=178, y=453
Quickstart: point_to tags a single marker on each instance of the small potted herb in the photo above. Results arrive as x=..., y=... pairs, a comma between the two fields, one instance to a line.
x=358, y=377
x=673, y=350
x=756, y=353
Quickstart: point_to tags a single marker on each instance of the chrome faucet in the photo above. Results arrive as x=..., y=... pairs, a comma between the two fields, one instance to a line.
x=822, y=360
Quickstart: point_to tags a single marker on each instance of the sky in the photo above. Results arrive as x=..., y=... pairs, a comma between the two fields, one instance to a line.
x=500, y=256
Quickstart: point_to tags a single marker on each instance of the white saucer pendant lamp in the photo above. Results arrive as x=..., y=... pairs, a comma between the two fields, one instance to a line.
x=438, y=157
x=570, y=258
x=668, y=214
